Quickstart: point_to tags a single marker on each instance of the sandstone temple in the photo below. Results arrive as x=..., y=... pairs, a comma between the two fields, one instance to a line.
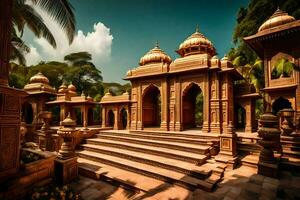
x=186, y=120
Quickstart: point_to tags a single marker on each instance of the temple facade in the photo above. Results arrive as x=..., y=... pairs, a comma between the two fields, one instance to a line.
x=164, y=92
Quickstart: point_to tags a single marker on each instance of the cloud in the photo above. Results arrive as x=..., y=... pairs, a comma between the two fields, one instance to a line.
x=98, y=43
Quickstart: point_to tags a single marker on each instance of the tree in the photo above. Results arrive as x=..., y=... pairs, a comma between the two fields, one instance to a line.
x=249, y=19
x=283, y=68
x=24, y=14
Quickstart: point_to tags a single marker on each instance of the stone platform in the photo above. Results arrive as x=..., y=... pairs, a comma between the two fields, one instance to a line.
x=144, y=160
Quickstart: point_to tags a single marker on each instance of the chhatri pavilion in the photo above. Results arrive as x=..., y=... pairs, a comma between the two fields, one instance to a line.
x=186, y=122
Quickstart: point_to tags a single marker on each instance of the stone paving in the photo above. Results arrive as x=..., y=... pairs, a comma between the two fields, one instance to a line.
x=242, y=183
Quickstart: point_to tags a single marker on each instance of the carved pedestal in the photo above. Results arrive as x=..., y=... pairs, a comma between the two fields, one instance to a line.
x=66, y=168
x=228, y=149
x=270, y=139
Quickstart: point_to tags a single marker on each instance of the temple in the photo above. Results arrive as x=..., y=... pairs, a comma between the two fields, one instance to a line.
x=185, y=121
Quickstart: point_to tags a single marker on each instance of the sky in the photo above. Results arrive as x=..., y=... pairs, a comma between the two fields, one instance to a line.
x=119, y=32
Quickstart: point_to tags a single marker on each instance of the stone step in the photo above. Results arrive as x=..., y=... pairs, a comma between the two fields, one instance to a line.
x=249, y=160
x=200, y=149
x=294, y=154
x=109, y=173
x=155, y=160
x=195, y=158
x=170, y=138
x=197, y=134
x=159, y=173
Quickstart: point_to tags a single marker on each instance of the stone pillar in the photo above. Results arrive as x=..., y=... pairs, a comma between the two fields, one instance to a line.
x=270, y=139
x=103, y=116
x=206, y=105
x=287, y=124
x=85, y=118
x=139, y=108
x=178, y=106
x=228, y=147
x=116, y=113
x=164, y=105
x=66, y=168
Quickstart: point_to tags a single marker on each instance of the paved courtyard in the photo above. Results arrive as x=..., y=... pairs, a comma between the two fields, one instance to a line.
x=241, y=183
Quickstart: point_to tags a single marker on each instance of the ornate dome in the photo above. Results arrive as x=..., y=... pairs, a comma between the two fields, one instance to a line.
x=278, y=18
x=39, y=78
x=62, y=88
x=155, y=55
x=72, y=88
x=195, y=44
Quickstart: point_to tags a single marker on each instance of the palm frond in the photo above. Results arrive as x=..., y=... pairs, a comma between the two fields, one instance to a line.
x=35, y=22
x=62, y=12
x=18, y=55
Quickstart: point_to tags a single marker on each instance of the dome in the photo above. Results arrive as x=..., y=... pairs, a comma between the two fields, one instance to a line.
x=195, y=44
x=278, y=18
x=62, y=88
x=72, y=88
x=155, y=55
x=39, y=78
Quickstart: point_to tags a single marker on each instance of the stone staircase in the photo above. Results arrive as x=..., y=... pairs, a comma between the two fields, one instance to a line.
x=290, y=152
x=149, y=160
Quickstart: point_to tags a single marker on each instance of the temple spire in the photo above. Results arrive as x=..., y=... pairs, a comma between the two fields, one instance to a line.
x=197, y=28
x=156, y=44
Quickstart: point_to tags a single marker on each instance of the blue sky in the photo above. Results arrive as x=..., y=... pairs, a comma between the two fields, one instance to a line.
x=131, y=27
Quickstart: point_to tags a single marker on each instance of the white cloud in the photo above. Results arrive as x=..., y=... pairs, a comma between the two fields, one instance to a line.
x=33, y=56
x=98, y=43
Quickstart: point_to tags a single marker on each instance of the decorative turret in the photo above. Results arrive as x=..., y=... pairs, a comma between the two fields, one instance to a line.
x=155, y=55
x=197, y=43
x=62, y=89
x=72, y=89
x=278, y=18
x=39, y=84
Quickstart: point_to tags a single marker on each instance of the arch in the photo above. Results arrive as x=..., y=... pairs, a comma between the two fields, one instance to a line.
x=240, y=117
x=151, y=107
x=110, y=118
x=192, y=106
x=123, y=118
x=27, y=113
x=149, y=87
x=280, y=104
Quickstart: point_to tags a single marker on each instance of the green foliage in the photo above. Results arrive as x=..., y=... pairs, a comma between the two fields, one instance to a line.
x=117, y=88
x=83, y=74
x=249, y=19
x=199, y=109
x=283, y=67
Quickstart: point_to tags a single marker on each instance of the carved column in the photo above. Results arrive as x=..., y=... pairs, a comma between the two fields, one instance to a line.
x=164, y=105
x=116, y=113
x=103, y=116
x=206, y=105
x=270, y=139
x=140, y=108
x=178, y=105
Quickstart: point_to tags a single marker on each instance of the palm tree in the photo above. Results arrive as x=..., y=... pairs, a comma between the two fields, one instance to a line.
x=283, y=68
x=25, y=14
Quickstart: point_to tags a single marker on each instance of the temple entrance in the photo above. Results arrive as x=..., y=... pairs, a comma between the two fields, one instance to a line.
x=78, y=116
x=90, y=117
x=123, y=116
x=192, y=107
x=27, y=113
x=280, y=104
x=240, y=117
x=110, y=118
x=152, y=107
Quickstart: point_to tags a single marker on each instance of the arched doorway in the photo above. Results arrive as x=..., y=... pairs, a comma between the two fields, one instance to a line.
x=27, y=113
x=151, y=107
x=192, y=107
x=240, y=117
x=110, y=118
x=123, y=116
x=280, y=104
